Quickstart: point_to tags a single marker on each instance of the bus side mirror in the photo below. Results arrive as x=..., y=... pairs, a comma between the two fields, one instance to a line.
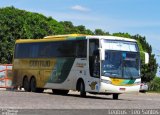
x=146, y=58
x=102, y=53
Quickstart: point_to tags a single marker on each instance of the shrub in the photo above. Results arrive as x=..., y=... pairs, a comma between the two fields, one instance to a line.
x=155, y=84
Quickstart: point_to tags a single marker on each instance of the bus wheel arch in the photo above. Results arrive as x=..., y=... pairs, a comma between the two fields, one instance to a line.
x=81, y=87
x=26, y=84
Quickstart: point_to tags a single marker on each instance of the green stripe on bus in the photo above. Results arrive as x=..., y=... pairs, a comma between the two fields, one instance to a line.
x=61, y=70
x=76, y=38
x=125, y=82
x=131, y=81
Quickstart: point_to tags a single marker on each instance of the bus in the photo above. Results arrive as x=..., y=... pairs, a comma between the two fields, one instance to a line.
x=85, y=63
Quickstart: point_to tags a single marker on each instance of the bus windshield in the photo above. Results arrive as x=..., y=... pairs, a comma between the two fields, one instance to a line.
x=121, y=64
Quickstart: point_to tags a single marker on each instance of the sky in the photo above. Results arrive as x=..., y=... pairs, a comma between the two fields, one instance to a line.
x=131, y=16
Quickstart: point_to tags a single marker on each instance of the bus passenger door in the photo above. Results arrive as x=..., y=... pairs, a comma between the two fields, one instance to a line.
x=93, y=79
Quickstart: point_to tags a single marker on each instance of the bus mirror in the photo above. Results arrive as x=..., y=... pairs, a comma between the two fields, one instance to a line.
x=146, y=58
x=102, y=52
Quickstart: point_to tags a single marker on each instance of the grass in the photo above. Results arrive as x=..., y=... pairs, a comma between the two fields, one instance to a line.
x=153, y=91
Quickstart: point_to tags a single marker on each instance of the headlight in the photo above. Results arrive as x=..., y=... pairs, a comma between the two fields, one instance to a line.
x=106, y=81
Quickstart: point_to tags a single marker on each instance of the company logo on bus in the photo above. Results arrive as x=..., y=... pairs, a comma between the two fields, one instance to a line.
x=39, y=63
x=81, y=65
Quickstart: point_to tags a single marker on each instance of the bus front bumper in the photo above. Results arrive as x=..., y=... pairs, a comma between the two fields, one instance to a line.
x=110, y=88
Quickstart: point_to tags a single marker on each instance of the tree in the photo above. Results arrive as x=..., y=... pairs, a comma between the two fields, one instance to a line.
x=69, y=28
x=126, y=35
x=100, y=32
x=16, y=24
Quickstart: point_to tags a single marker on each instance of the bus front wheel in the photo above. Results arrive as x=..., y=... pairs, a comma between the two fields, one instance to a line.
x=115, y=96
x=82, y=89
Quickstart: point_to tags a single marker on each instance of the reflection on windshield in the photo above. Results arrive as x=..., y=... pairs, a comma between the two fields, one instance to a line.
x=121, y=64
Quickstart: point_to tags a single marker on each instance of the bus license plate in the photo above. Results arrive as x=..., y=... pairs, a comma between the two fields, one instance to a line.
x=122, y=89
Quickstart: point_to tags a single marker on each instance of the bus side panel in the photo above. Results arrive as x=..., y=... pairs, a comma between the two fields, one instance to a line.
x=74, y=70
x=59, y=75
x=32, y=68
x=78, y=70
x=16, y=79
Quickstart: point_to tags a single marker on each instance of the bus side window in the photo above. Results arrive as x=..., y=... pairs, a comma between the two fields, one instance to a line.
x=94, y=64
x=34, y=51
x=81, y=49
x=22, y=51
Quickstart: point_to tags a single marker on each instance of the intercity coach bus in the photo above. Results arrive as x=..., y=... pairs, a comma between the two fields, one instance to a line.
x=93, y=64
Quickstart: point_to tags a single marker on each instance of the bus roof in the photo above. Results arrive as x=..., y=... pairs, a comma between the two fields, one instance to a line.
x=112, y=38
x=72, y=37
x=66, y=35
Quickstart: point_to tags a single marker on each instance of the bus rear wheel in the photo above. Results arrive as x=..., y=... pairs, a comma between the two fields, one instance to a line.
x=60, y=92
x=26, y=85
x=115, y=96
x=33, y=84
x=82, y=89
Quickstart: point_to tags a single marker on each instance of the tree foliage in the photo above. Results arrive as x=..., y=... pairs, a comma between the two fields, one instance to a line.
x=126, y=35
x=16, y=24
x=154, y=85
x=69, y=28
x=100, y=32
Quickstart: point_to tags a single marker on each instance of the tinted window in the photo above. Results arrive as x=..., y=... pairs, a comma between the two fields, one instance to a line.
x=22, y=51
x=81, y=48
x=72, y=48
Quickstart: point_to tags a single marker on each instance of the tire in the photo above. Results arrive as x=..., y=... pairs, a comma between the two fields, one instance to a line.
x=115, y=96
x=82, y=89
x=60, y=92
x=143, y=91
x=26, y=85
x=33, y=85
